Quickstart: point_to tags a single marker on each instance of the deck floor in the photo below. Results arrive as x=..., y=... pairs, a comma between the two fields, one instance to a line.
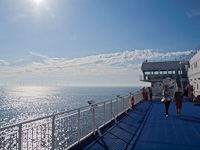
x=146, y=127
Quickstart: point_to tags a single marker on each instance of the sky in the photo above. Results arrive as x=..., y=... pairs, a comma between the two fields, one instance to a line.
x=92, y=42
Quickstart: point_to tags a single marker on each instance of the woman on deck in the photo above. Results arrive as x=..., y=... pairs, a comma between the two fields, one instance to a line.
x=167, y=95
x=178, y=97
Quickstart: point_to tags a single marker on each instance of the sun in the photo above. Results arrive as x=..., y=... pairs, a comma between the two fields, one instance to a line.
x=37, y=1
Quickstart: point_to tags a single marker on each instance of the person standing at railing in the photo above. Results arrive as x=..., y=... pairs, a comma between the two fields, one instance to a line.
x=167, y=94
x=144, y=93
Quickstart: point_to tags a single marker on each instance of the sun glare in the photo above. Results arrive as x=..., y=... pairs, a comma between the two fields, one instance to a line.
x=37, y=1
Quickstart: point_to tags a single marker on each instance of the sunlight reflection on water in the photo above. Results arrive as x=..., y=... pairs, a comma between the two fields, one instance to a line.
x=24, y=103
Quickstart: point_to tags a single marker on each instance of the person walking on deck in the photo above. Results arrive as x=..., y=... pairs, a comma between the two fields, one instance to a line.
x=179, y=99
x=167, y=94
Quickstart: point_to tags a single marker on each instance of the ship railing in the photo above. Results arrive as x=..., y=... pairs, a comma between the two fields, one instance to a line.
x=183, y=57
x=65, y=129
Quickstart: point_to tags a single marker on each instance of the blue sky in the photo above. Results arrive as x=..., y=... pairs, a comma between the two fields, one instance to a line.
x=91, y=42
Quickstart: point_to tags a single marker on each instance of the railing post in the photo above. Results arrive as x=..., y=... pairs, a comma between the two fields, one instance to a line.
x=129, y=101
x=53, y=133
x=93, y=120
x=111, y=110
x=117, y=106
x=123, y=105
x=20, y=137
x=79, y=124
x=104, y=113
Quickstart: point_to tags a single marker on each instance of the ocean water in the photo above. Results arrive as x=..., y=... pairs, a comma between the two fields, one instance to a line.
x=18, y=104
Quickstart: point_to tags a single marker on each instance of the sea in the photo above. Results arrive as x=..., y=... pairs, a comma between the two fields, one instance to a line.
x=24, y=103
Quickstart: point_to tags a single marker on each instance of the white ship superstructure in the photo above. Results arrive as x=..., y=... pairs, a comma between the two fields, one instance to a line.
x=157, y=72
x=183, y=72
x=194, y=71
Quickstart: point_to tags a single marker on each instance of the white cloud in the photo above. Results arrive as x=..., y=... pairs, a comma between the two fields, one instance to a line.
x=39, y=55
x=113, y=63
x=120, y=64
x=4, y=62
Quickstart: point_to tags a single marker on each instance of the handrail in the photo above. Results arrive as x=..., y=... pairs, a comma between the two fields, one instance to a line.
x=49, y=116
x=70, y=128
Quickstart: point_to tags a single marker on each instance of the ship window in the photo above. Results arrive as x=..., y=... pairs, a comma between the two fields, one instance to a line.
x=147, y=72
x=164, y=72
x=156, y=72
x=146, y=78
x=180, y=72
x=197, y=86
x=171, y=72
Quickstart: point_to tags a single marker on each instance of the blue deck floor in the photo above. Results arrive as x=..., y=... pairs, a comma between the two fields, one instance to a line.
x=146, y=127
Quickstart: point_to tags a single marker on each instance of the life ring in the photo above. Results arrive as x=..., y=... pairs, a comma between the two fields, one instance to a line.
x=132, y=101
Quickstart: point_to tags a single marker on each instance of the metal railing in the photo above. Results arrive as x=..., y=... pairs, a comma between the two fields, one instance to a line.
x=64, y=129
x=183, y=57
x=196, y=49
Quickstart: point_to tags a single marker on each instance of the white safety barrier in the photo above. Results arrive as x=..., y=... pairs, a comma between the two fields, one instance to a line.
x=64, y=129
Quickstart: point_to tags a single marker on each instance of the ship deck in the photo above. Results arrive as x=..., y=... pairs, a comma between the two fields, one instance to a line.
x=147, y=127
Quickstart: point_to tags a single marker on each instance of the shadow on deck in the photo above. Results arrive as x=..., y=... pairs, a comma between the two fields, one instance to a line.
x=146, y=127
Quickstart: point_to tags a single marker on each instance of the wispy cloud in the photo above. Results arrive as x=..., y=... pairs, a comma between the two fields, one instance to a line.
x=193, y=13
x=117, y=64
x=4, y=62
x=39, y=55
x=98, y=64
